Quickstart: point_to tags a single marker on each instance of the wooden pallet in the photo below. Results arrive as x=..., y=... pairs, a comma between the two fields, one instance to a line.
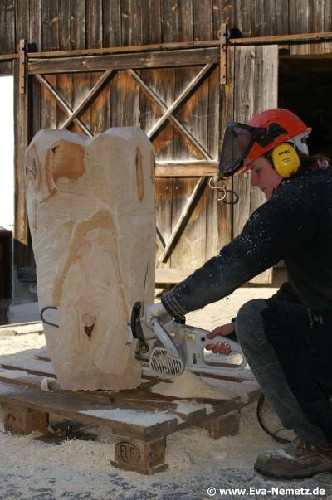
x=139, y=420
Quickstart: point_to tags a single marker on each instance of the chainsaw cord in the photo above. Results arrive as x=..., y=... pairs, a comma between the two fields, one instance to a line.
x=259, y=412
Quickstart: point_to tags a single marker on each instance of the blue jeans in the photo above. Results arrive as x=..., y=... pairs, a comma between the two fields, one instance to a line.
x=289, y=350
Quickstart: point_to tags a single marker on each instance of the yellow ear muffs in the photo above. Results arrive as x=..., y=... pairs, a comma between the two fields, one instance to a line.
x=285, y=159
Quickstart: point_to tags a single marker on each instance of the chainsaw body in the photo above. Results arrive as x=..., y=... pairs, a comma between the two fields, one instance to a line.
x=170, y=348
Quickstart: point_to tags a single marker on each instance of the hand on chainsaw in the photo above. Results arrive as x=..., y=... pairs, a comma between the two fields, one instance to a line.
x=156, y=311
x=222, y=347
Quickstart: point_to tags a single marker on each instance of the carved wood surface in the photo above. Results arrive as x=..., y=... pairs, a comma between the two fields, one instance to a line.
x=91, y=215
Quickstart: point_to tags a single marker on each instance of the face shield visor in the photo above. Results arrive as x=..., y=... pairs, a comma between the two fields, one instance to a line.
x=238, y=140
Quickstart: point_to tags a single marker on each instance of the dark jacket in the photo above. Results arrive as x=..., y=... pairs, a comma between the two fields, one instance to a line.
x=294, y=225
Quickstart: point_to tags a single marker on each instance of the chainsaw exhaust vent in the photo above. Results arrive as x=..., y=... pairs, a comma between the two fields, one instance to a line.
x=162, y=363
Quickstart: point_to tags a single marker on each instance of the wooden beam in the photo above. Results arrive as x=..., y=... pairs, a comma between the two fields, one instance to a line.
x=273, y=39
x=189, y=57
x=282, y=39
x=173, y=46
x=187, y=169
x=125, y=49
x=8, y=57
x=166, y=276
x=21, y=143
x=307, y=57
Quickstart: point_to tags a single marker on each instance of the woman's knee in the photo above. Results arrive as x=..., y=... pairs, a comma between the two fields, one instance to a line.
x=249, y=321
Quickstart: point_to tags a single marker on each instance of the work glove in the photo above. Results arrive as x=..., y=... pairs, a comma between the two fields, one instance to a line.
x=156, y=311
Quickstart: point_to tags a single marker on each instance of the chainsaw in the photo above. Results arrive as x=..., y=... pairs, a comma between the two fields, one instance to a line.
x=170, y=348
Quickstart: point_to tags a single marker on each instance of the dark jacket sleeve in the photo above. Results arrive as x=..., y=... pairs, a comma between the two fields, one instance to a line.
x=275, y=230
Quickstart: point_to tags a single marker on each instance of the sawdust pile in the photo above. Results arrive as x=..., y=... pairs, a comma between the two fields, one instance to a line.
x=189, y=385
x=31, y=468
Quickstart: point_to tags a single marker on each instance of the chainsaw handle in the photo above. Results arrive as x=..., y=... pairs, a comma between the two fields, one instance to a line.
x=235, y=346
x=164, y=338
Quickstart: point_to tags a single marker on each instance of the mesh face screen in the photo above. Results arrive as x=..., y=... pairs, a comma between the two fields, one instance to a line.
x=236, y=144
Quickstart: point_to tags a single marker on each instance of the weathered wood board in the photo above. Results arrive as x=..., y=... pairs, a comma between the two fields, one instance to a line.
x=90, y=204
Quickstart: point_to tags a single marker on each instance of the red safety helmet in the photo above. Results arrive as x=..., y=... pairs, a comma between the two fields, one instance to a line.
x=245, y=142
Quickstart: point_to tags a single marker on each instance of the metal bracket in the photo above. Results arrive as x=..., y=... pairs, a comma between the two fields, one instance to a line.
x=223, y=53
x=22, y=66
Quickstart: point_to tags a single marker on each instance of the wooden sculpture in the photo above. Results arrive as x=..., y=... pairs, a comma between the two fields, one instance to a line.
x=90, y=205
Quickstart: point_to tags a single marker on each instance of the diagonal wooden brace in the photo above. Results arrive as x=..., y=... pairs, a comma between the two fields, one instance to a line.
x=183, y=219
x=91, y=95
x=168, y=112
x=63, y=104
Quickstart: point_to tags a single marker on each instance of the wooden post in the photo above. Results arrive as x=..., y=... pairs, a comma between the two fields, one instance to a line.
x=21, y=142
x=223, y=425
x=138, y=455
x=19, y=419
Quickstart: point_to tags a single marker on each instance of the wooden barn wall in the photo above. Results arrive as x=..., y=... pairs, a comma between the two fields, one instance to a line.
x=83, y=24
x=121, y=102
x=49, y=25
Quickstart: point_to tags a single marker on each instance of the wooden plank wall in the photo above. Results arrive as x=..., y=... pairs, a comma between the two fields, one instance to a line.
x=85, y=24
x=73, y=24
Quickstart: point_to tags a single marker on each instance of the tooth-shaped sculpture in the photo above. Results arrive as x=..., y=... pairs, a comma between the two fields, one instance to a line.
x=90, y=205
